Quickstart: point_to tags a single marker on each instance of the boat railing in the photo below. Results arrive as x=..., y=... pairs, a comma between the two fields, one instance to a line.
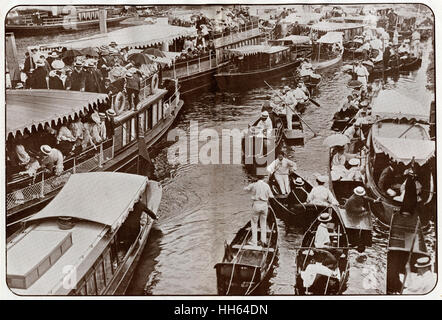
x=222, y=39
x=190, y=67
x=95, y=158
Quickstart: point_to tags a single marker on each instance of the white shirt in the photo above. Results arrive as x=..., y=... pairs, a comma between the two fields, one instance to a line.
x=281, y=167
x=266, y=124
x=338, y=160
x=419, y=284
x=322, y=236
x=361, y=71
x=321, y=196
x=299, y=94
x=261, y=190
x=290, y=98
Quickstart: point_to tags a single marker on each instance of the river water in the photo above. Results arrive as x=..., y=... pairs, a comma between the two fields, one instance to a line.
x=204, y=205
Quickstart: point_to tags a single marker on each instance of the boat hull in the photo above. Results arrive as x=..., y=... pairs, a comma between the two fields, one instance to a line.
x=237, y=82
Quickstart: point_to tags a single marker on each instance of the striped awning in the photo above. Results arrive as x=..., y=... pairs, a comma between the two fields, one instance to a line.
x=30, y=108
x=332, y=26
x=255, y=49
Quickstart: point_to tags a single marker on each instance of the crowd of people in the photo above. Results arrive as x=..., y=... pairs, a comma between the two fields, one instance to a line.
x=107, y=69
x=49, y=147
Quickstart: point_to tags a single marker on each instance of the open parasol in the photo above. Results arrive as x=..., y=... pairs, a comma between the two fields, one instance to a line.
x=89, y=51
x=337, y=139
x=154, y=52
x=353, y=84
x=139, y=58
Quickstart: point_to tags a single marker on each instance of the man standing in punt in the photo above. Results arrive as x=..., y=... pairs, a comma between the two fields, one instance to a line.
x=261, y=194
x=281, y=168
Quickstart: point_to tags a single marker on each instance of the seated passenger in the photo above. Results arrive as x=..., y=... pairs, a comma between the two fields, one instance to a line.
x=76, y=128
x=386, y=181
x=31, y=168
x=357, y=203
x=320, y=195
x=22, y=156
x=65, y=140
x=265, y=124
x=53, y=160
x=421, y=282
x=322, y=236
x=354, y=172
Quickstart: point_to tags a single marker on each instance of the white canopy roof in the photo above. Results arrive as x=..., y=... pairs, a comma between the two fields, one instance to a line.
x=334, y=26
x=403, y=150
x=331, y=37
x=136, y=36
x=295, y=39
x=101, y=197
x=254, y=49
x=391, y=104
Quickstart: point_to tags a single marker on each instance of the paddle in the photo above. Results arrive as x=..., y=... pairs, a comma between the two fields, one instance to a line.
x=309, y=98
x=282, y=99
x=411, y=252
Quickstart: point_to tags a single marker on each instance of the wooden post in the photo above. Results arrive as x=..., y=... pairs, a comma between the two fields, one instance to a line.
x=12, y=59
x=103, y=18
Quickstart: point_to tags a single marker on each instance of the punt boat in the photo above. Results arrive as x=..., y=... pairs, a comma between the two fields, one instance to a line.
x=332, y=51
x=87, y=240
x=310, y=260
x=247, y=268
x=405, y=232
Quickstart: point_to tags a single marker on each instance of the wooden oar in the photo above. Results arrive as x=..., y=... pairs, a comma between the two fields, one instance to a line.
x=411, y=252
x=314, y=133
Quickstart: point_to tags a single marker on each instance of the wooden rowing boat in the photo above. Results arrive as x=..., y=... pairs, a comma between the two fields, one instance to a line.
x=296, y=135
x=309, y=257
x=359, y=227
x=293, y=208
x=400, y=240
x=260, y=150
x=245, y=268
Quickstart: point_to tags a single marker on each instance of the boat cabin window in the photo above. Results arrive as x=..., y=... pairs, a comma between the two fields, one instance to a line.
x=108, y=270
x=99, y=276
x=160, y=110
x=154, y=114
x=91, y=288
x=82, y=290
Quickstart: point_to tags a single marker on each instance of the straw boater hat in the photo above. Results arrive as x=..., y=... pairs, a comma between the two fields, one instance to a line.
x=102, y=115
x=57, y=64
x=359, y=191
x=128, y=75
x=54, y=54
x=354, y=162
x=264, y=114
x=286, y=88
x=111, y=112
x=39, y=63
x=324, y=217
x=423, y=262
x=96, y=118
x=363, y=103
x=78, y=63
x=113, y=44
x=46, y=149
x=299, y=181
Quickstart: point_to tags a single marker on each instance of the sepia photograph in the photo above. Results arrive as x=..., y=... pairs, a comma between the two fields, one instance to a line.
x=223, y=149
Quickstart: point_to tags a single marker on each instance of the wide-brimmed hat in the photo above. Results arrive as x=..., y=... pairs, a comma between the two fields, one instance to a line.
x=54, y=54
x=128, y=75
x=354, y=162
x=46, y=149
x=321, y=178
x=57, y=64
x=359, y=191
x=102, y=115
x=113, y=44
x=423, y=262
x=325, y=217
x=299, y=181
x=264, y=114
x=111, y=112
x=96, y=118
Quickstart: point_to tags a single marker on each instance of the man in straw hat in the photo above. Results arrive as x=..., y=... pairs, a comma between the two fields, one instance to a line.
x=53, y=158
x=322, y=237
x=39, y=75
x=261, y=194
x=76, y=80
x=320, y=195
x=281, y=168
x=357, y=204
x=423, y=280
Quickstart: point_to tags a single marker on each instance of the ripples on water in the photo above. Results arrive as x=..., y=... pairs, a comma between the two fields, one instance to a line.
x=204, y=205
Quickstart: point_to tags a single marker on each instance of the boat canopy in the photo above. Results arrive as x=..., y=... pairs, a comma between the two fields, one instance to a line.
x=101, y=197
x=28, y=108
x=295, y=39
x=391, y=104
x=404, y=150
x=333, y=26
x=131, y=37
x=255, y=49
x=331, y=37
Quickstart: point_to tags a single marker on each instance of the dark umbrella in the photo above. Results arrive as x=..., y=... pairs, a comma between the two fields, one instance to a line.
x=139, y=58
x=89, y=52
x=71, y=53
x=154, y=52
